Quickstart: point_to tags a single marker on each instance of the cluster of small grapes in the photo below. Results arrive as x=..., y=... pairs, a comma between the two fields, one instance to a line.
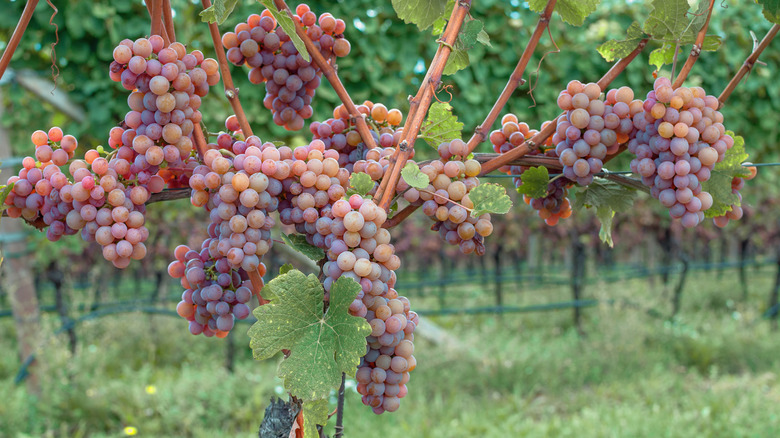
x=290, y=80
x=215, y=294
x=736, y=210
x=95, y=202
x=681, y=137
x=360, y=249
x=555, y=205
x=592, y=128
x=167, y=85
x=340, y=134
x=446, y=199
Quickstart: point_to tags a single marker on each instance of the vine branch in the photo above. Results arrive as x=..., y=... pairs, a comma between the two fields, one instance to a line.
x=515, y=79
x=695, y=51
x=333, y=78
x=748, y=64
x=168, y=20
x=547, y=131
x=13, y=43
x=421, y=102
x=231, y=92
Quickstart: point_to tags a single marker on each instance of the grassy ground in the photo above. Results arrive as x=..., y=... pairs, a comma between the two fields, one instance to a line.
x=712, y=372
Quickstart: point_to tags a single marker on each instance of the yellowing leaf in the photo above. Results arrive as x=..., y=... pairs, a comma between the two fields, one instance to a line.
x=489, y=198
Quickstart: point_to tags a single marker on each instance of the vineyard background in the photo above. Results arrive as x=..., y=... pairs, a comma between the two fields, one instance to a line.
x=678, y=322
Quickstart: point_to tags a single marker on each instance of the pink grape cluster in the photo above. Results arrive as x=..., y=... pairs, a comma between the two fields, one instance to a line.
x=94, y=202
x=215, y=293
x=681, y=137
x=340, y=134
x=446, y=198
x=290, y=80
x=592, y=128
x=166, y=85
x=360, y=249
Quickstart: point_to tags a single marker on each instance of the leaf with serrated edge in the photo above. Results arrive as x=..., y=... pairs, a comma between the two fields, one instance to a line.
x=287, y=24
x=604, y=193
x=298, y=242
x=489, y=198
x=218, y=12
x=719, y=184
x=469, y=32
x=321, y=345
x=314, y=413
x=413, y=176
x=535, y=182
x=771, y=10
x=441, y=125
x=285, y=268
x=616, y=49
x=573, y=12
x=458, y=60
x=668, y=19
x=662, y=56
x=361, y=182
x=422, y=13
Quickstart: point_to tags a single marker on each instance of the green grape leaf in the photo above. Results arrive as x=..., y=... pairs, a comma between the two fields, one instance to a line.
x=662, y=56
x=423, y=13
x=573, y=12
x=287, y=24
x=413, y=176
x=607, y=198
x=535, y=182
x=616, y=49
x=483, y=38
x=322, y=345
x=489, y=198
x=457, y=61
x=771, y=10
x=441, y=125
x=668, y=19
x=469, y=33
x=719, y=184
x=314, y=413
x=360, y=183
x=438, y=26
x=218, y=11
x=605, y=215
x=298, y=242
x=285, y=268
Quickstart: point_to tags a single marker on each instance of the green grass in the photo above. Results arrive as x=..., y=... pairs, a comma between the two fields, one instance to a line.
x=712, y=372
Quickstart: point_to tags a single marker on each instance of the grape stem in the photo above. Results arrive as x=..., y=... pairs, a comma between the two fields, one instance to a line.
x=339, y=428
x=446, y=198
x=256, y=279
x=695, y=51
x=231, y=92
x=168, y=20
x=420, y=103
x=515, y=79
x=748, y=65
x=333, y=78
x=155, y=15
x=547, y=131
x=13, y=43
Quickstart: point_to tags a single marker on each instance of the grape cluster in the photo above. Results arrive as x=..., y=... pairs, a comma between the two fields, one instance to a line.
x=290, y=80
x=215, y=294
x=592, y=128
x=340, y=134
x=166, y=85
x=681, y=137
x=360, y=249
x=93, y=202
x=555, y=205
x=446, y=199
